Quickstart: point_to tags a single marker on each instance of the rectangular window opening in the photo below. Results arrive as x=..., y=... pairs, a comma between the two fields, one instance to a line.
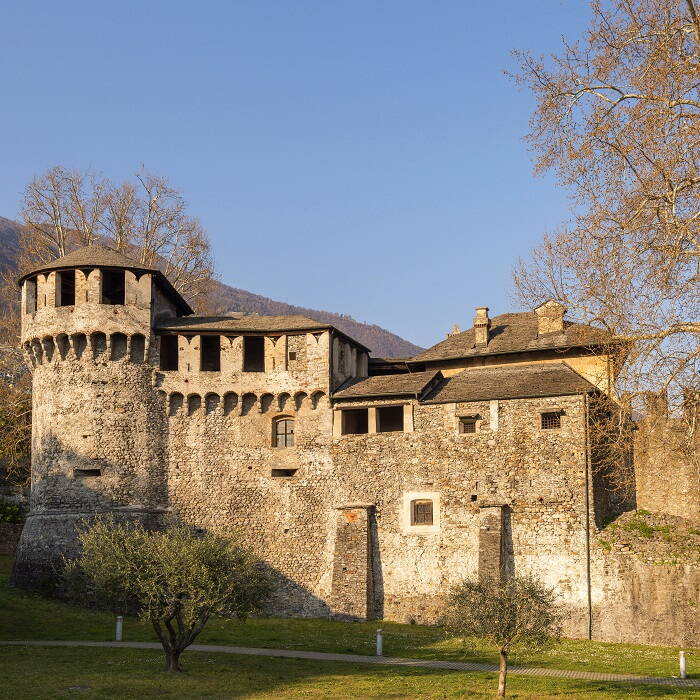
x=422, y=512
x=30, y=286
x=389, y=419
x=113, y=286
x=65, y=288
x=292, y=355
x=210, y=353
x=467, y=425
x=283, y=472
x=551, y=421
x=168, y=353
x=253, y=353
x=81, y=473
x=355, y=421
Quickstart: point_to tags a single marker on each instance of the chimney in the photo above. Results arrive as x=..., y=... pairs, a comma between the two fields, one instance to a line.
x=550, y=318
x=456, y=330
x=482, y=324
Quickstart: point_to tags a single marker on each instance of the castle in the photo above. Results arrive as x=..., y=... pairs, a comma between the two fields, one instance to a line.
x=369, y=486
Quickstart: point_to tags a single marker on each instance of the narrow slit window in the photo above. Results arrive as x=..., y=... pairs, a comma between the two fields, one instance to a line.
x=169, y=353
x=65, y=288
x=390, y=419
x=113, y=286
x=355, y=421
x=282, y=472
x=284, y=432
x=550, y=421
x=210, y=353
x=253, y=353
x=82, y=473
x=422, y=512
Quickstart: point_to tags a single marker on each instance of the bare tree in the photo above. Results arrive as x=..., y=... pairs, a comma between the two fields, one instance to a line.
x=618, y=121
x=504, y=613
x=146, y=219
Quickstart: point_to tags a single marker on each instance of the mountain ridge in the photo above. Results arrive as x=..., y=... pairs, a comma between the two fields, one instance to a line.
x=381, y=342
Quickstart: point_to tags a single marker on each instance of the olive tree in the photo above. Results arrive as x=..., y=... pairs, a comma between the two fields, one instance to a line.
x=505, y=614
x=176, y=578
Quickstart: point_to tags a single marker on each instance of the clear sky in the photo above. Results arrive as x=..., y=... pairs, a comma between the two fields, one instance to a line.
x=361, y=157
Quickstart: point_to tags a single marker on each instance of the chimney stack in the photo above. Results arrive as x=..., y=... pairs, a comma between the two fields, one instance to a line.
x=482, y=324
x=550, y=318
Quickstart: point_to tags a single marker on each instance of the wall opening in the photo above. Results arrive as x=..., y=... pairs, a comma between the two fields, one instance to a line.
x=138, y=348
x=79, y=344
x=65, y=288
x=253, y=353
x=211, y=403
x=82, y=473
x=194, y=403
x=550, y=421
x=118, y=346
x=282, y=472
x=169, y=353
x=467, y=424
x=422, y=512
x=63, y=345
x=113, y=286
x=176, y=401
x=389, y=419
x=283, y=432
x=230, y=402
x=355, y=421
x=30, y=295
x=99, y=345
x=209, y=353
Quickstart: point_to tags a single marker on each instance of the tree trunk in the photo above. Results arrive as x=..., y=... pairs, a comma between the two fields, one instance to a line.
x=172, y=661
x=503, y=671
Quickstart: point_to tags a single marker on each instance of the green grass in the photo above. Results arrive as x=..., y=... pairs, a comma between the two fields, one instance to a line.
x=27, y=617
x=38, y=673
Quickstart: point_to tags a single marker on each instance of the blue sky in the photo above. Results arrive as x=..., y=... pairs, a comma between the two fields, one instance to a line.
x=361, y=157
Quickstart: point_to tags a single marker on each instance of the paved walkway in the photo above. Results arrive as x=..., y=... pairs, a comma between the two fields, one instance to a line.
x=388, y=661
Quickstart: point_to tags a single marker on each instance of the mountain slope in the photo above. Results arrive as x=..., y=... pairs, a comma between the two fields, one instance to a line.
x=381, y=342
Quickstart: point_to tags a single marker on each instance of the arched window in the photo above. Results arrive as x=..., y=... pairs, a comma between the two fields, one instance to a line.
x=283, y=435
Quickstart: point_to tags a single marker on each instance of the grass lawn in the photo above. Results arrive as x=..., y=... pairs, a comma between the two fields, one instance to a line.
x=35, y=673
x=24, y=616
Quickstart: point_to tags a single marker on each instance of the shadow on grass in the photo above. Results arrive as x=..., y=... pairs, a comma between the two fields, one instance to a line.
x=100, y=673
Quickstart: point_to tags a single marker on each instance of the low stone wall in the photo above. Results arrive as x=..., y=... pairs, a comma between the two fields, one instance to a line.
x=9, y=537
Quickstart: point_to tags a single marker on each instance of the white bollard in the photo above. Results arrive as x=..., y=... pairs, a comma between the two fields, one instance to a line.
x=681, y=660
x=380, y=643
x=120, y=625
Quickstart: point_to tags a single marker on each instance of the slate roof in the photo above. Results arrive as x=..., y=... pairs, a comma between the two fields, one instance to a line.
x=103, y=256
x=388, y=385
x=511, y=382
x=514, y=332
x=251, y=324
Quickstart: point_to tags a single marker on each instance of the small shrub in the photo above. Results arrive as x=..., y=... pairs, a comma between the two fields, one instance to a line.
x=9, y=512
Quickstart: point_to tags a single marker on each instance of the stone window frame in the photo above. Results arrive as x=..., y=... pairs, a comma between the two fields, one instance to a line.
x=274, y=437
x=372, y=418
x=405, y=516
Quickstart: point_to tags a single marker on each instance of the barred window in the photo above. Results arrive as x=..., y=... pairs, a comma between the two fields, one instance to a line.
x=551, y=421
x=467, y=425
x=422, y=512
x=284, y=432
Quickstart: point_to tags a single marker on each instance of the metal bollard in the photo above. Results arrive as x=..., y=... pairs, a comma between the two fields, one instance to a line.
x=681, y=660
x=120, y=625
x=380, y=643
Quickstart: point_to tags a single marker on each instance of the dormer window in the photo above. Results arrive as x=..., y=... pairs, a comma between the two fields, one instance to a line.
x=113, y=286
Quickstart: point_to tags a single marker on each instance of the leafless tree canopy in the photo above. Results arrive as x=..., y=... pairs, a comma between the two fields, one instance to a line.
x=618, y=121
x=146, y=219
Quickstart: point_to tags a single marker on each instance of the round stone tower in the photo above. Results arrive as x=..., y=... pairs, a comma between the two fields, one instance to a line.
x=97, y=433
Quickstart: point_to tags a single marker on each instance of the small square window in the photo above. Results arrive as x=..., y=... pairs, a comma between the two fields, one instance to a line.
x=467, y=425
x=550, y=421
x=292, y=356
x=422, y=512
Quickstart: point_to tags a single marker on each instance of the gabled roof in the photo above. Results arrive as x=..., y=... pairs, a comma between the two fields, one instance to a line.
x=251, y=324
x=102, y=256
x=514, y=332
x=389, y=385
x=511, y=382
